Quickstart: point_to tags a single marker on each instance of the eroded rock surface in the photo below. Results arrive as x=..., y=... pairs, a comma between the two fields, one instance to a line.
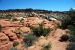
x=12, y=31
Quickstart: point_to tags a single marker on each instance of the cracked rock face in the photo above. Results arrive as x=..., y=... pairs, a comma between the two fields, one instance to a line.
x=32, y=21
x=12, y=32
x=4, y=42
x=3, y=39
x=6, y=46
x=11, y=35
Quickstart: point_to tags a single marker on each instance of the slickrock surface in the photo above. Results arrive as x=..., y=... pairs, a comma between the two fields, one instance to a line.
x=32, y=21
x=54, y=39
x=3, y=39
x=12, y=31
x=25, y=29
x=5, y=44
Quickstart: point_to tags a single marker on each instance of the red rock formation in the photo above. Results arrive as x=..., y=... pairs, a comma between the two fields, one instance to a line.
x=12, y=32
x=25, y=29
x=3, y=39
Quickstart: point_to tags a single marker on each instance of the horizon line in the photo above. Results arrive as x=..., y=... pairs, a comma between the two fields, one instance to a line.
x=34, y=9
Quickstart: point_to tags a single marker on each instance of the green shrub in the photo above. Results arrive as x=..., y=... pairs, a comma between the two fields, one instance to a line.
x=0, y=28
x=64, y=24
x=37, y=31
x=72, y=38
x=22, y=20
x=46, y=47
x=29, y=40
x=71, y=46
x=46, y=31
x=9, y=16
x=72, y=29
x=13, y=48
x=15, y=44
x=72, y=33
x=14, y=19
x=40, y=31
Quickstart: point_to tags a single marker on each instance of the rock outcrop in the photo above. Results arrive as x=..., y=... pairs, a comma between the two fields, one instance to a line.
x=12, y=31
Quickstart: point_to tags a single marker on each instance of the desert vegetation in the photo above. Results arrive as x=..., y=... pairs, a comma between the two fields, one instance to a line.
x=46, y=47
x=40, y=31
x=29, y=39
x=14, y=46
x=32, y=29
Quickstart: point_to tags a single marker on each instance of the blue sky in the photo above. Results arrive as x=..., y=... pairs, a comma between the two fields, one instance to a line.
x=55, y=5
